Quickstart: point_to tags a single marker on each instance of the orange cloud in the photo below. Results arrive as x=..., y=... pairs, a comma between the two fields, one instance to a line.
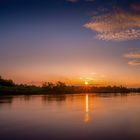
x=132, y=55
x=134, y=63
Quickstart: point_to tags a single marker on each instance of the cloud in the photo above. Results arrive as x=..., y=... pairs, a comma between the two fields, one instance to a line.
x=117, y=26
x=132, y=55
x=134, y=63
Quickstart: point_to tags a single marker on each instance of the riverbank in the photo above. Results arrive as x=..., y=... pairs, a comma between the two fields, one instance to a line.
x=9, y=87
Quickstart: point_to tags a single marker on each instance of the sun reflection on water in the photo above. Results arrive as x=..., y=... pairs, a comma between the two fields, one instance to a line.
x=87, y=103
x=86, y=118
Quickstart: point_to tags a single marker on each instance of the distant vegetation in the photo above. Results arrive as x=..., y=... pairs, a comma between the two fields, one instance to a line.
x=9, y=87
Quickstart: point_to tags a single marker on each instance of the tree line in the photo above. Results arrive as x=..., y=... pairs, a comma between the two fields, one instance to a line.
x=9, y=87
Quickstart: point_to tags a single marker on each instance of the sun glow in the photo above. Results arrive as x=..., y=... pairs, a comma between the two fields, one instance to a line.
x=86, y=83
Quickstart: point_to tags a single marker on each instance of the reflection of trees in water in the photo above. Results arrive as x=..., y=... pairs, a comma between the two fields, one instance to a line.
x=27, y=97
x=50, y=98
x=111, y=94
x=6, y=99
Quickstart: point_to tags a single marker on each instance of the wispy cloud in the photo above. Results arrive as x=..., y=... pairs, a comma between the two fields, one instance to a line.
x=117, y=26
x=134, y=63
x=132, y=55
x=91, y=77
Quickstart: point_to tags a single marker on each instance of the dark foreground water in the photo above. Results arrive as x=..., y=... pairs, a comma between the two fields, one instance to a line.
x=70, y=117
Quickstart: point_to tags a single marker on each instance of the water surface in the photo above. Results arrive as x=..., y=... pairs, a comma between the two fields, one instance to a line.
x=70, y=117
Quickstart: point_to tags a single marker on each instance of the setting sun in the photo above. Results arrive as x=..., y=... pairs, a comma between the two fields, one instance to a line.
x=86, y=83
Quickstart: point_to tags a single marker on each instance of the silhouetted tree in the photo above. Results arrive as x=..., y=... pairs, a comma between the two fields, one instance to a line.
x=9, y=87
x=48, y=86
x=4, y=82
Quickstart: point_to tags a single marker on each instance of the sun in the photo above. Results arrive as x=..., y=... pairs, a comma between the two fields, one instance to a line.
x=86, y=83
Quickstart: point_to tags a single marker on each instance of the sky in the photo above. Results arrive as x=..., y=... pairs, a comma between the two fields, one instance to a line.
x=73, y=41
